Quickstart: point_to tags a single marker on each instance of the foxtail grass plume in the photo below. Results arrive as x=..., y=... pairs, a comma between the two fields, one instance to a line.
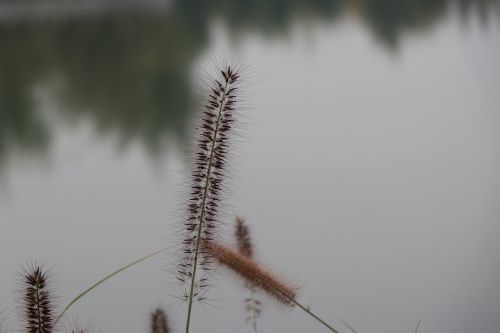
x=252, y=305
x=207, y=181
x=37, y=304
x=159, y=323
x=207, y=177
x=252, y=273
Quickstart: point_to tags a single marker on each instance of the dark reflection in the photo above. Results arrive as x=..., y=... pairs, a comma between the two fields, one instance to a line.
x=20, y=125
x=129, y=77
x=389, y=19
x=128, y=74
x=129, y=71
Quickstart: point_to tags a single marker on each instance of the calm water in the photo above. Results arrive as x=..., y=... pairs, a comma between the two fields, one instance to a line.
x=366, y=164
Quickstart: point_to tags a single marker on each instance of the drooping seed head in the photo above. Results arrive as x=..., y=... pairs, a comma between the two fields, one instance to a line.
x=252, y=272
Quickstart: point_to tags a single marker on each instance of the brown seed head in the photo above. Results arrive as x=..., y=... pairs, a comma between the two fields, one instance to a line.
x=252, y=272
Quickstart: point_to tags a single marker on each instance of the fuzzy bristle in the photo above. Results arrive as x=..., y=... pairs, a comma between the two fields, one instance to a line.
x=159, y=322
x=252, y=272
x=243, y=238
x=207, y=178
x=37, y=302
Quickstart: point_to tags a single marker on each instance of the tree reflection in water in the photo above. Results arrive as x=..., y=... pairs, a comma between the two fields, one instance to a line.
x=128, y=72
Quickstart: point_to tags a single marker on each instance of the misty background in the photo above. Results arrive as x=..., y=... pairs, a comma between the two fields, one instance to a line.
x=366, y=164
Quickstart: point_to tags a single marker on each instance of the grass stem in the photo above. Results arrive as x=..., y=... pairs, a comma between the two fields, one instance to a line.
x=309, y=312
x=107, y=277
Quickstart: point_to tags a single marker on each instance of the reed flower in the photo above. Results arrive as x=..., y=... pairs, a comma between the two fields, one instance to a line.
x=37, y=302
x=159, y=323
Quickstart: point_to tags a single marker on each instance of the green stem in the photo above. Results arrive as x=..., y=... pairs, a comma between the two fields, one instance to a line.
x=107, y=277
x=202, y=212
x=309, y=312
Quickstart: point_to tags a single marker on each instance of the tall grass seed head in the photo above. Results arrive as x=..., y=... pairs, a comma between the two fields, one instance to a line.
x=207, y=179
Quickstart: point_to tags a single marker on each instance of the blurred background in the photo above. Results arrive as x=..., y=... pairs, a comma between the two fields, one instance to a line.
x=367, y=161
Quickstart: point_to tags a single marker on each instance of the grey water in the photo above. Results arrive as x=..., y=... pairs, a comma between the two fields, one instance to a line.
x=366, y=163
